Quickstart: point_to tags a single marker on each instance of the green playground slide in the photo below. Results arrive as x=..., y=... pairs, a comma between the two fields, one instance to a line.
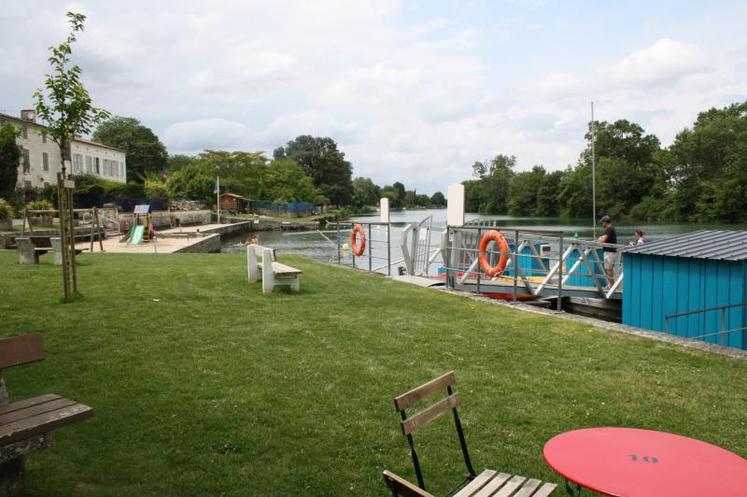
x=137, y=235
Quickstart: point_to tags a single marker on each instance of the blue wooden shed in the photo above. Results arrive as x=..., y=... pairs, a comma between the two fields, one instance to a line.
x=692, y=285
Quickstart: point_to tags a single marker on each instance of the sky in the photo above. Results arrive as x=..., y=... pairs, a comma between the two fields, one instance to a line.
x=412, y=91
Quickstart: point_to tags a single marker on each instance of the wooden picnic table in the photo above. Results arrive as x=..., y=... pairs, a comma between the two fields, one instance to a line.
x=630, y=462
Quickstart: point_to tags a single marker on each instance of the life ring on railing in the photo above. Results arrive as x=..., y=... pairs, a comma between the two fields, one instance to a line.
x=358, y=249
x=497, y=237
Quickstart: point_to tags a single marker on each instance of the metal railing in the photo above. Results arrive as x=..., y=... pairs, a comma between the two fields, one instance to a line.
x=724, y=322
x=416, y=247
x=366, y=261
x=540, y=263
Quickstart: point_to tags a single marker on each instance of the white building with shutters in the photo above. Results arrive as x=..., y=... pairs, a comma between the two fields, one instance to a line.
x=41, y=160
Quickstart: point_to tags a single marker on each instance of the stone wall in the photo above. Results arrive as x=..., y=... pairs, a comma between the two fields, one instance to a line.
x=210, y=243
x=162, y=219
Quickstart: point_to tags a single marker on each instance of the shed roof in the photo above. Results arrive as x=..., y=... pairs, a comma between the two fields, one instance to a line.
x=704, y=244
x=234, y=196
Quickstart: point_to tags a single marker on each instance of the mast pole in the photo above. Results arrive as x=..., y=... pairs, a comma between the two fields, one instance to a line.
x=593, y=174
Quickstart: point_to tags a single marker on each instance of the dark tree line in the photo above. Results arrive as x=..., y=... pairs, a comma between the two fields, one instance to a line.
x=701, y=176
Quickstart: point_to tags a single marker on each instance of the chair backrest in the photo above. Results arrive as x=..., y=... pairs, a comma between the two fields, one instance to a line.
x=410, y=424
x=15, y=351
x=402, y=487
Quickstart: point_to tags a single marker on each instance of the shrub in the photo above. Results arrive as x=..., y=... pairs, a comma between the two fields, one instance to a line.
x=6, y=210
x=40, y=205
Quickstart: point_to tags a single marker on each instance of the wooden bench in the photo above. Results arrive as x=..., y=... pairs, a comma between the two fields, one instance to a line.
x=260, y=261
x=27, y=425
x=488, y=483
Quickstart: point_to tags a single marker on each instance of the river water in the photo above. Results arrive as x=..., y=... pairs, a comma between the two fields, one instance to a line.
x=316, y=246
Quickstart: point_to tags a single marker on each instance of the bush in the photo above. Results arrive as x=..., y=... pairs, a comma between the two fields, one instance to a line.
x=6, y=210
x=40, y=205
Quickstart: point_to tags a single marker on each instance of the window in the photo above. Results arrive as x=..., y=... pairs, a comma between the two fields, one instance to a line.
x=89, y=164
x=45, y=161
x=121, y=169
x=25, y=132
x=77, y=163
x=98, y=171
x=25, y=159
x=44, y=137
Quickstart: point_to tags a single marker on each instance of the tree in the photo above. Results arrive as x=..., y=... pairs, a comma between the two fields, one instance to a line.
x=65, y=105
x=575, y=192
x=365, y=192
x=489, y=193
x=67, y=108
x=438, y=200
x=710, y=166
x=145, y=152
x=10, y=158
x=287, y=182
x=194, y=181
x=523, y=192
x=324, y=163
x=626, y=167
x=411, y=199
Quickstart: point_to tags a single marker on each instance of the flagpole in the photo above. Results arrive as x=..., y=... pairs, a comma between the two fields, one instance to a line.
x=217, y=196
x=593, y=174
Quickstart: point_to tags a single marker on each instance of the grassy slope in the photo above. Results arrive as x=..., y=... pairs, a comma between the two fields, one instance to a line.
x=217, y=390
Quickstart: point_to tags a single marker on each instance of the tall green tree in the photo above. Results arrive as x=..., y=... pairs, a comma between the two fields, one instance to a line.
x=438, y=200
x=489, y=193
x=10, y=159
x=396, y=195
x=286, y=181
x=145, y=152
x=710, y=166
x=365, y=192
x=627, y=171
x=523, y=192
x=324, y=163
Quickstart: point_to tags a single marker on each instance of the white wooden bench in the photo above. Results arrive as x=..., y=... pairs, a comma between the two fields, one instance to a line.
x=260, y=262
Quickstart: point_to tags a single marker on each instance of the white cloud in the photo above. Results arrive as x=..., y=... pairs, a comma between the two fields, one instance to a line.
x=411, y=92
x=663, y=62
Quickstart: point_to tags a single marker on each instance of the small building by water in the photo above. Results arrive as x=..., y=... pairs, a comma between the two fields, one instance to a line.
x=692, y=285
x=236, y=203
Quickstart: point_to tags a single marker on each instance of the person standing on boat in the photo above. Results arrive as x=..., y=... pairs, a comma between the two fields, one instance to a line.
x=640, y=238
x=610, y=253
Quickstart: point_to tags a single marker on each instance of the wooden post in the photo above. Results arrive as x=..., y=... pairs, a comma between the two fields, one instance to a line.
x=65, y=188
x=62, y=208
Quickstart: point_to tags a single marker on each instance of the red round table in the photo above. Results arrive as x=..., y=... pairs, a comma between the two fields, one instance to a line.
x=629, y=462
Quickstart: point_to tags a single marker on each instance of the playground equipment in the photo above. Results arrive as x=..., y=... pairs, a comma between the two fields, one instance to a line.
x=100, y=225
x=137, y=234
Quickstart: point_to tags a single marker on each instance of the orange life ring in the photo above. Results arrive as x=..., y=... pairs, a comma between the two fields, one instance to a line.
x=358, y=250
x=497, y=237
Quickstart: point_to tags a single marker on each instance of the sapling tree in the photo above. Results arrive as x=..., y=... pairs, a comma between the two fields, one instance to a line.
x=67, y=109
x=64, y=104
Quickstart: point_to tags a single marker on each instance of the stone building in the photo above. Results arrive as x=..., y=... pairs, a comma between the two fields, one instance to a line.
x=41, y=160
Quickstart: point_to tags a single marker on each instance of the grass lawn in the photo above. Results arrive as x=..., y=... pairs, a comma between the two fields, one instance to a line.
x=204, y=387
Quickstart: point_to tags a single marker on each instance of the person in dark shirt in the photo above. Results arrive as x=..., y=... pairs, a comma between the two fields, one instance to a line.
x=610, y=253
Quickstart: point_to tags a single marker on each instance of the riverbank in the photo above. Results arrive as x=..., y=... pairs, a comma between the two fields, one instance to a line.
x=203, y=386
